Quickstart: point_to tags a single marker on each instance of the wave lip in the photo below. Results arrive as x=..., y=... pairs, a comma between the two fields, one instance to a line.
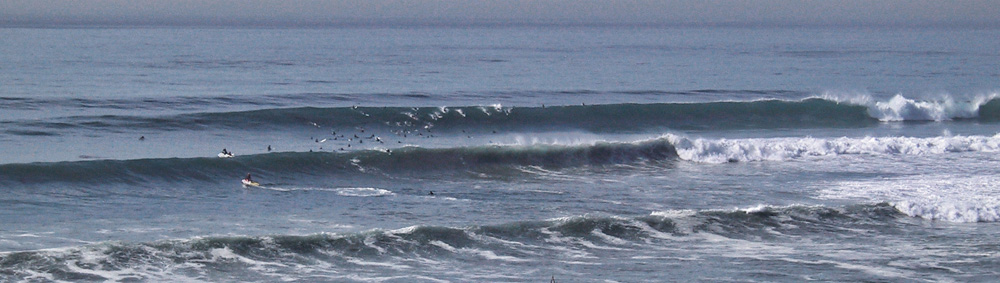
x=899, y=108
x=902, y=109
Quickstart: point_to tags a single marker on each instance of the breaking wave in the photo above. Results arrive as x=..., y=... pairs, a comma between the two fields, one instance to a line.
x=780, y=149
x=667, y=148
x=431, y=251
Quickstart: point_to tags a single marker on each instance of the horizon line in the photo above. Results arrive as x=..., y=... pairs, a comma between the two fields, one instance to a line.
x=414, y=23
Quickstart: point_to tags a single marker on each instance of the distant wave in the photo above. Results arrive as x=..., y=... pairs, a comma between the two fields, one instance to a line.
x=827, y=112
x=495, y=158
x=596, y=118
x=426, y=248
x=295, y=100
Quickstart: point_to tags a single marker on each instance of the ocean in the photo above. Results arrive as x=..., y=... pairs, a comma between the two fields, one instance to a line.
x=499, y=154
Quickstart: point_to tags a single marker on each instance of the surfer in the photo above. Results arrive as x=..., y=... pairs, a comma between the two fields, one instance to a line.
x=249, y=182
x=225, y=153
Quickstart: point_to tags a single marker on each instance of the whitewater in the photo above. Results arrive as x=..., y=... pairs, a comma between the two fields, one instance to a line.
x=499, y=154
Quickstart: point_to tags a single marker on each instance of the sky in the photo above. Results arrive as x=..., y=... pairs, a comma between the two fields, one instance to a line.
x=977, y=13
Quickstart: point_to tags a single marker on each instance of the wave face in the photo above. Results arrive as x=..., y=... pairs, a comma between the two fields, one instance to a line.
x=417, y=160
x=449, y=253
x=409, y=159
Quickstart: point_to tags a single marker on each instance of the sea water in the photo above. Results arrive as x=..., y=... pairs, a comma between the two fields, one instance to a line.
x=499, y=153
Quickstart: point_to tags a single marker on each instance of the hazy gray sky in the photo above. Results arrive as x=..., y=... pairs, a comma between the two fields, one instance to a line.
x=687, y=12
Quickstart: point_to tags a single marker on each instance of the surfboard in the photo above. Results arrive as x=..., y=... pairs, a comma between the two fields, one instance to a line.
x=249, y=183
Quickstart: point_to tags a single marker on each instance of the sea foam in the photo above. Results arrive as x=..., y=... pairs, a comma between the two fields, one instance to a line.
x=973, y=198
x=901, y=108
x=782, y=149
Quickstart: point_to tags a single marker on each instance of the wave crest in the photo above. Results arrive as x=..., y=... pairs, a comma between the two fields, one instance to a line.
x=899, y=108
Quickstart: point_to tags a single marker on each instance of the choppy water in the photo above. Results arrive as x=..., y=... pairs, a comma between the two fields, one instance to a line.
x=499, y=154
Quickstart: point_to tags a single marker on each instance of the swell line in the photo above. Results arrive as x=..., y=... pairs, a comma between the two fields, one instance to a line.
x=417, y=160
x=595, y=118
